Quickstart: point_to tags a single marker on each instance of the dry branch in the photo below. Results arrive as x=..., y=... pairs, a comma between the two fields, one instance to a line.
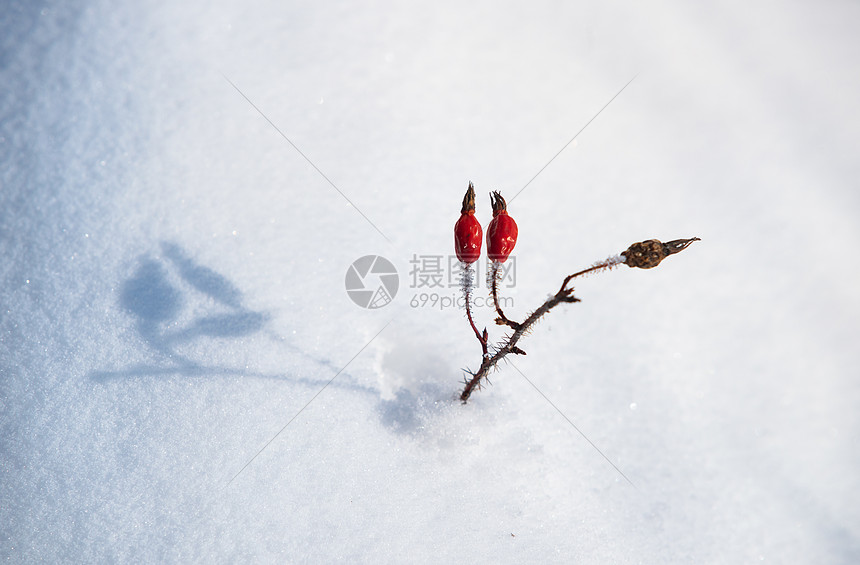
x=642, y=255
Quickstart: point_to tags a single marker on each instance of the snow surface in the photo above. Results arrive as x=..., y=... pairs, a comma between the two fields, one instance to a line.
x=172, y=282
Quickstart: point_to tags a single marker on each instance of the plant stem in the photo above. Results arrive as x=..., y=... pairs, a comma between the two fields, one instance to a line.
x=643, y=255
x=467, y=294
x=502, y=320
x=510, y=345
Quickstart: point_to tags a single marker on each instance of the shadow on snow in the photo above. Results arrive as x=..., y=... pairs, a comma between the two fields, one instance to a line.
x=156, y=296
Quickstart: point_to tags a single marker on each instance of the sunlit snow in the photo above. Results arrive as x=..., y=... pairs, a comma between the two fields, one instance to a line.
x=184, y=377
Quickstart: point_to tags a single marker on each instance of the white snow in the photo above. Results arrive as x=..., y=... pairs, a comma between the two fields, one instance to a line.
x=172, y=302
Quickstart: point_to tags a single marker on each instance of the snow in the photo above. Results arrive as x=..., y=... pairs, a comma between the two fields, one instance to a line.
x=183, y=377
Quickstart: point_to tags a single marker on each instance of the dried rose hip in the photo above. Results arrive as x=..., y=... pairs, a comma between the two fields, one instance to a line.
x=467, y=230
x=502, y=231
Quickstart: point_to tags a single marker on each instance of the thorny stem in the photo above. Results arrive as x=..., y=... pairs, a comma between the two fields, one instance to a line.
x=467, y=293
x=502, y=320
x=510, y=346
x=643, y=255
x=607, y=264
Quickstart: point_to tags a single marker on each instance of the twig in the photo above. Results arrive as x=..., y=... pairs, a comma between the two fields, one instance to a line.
x=467, y=293
x=642, y=255
x=502, y=320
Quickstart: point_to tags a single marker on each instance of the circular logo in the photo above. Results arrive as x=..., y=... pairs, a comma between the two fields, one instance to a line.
x=372, y=281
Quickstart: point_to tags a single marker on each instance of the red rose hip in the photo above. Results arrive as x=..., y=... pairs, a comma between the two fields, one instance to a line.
x=502, y=231
x=467, y=230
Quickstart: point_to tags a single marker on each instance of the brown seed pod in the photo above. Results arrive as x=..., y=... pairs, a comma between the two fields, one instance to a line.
x=648, y=254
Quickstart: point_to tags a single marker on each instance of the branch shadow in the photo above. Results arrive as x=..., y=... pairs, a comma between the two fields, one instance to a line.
x=165, y=286
x=158, y=293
